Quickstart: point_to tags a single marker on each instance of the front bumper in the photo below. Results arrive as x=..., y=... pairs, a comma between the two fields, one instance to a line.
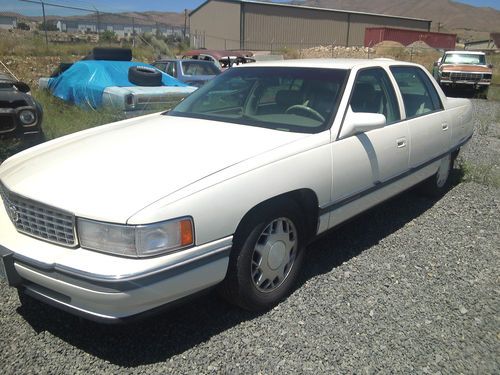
x=11, y=127
x=449, y=82
x=104, y=287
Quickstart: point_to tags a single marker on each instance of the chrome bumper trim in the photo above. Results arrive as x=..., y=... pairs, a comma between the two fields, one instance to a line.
x=195, y=257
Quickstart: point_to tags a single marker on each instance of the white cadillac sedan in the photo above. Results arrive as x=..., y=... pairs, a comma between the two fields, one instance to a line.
x=226, y=189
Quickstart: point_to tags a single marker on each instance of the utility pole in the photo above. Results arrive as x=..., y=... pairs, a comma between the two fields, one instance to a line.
x=44, y=23
x=185, y=22
x=98, y=22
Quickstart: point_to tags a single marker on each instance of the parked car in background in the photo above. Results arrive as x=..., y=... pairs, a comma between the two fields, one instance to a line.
x=464, y=70
x=223, y=59
x=20, y=115
x=108, y=78
x=192, y=72
x=227, y=188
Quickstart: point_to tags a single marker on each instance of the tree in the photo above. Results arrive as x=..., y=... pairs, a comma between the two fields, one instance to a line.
x=48, y=26
x=108, y=36
x=23, y=26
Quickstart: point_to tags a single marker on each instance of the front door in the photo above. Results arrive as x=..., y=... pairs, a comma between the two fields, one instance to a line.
x=366, y=162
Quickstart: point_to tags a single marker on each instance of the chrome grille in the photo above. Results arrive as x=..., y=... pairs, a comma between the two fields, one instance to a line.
x=7, y=123
x=463, y=76
x=39, y=220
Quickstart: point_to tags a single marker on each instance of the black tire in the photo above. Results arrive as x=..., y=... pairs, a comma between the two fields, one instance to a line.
x=144, y=76
x=61, y=69
x=483, y=92
x=439, y=183
x=110, y=54
x=239, y=287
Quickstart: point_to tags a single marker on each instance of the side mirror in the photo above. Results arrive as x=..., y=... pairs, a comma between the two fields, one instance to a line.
x=490, y=66
x=435, y=63
x=360, y=122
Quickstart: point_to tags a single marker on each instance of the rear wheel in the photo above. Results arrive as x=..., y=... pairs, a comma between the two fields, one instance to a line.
x=437, y=184
x=266, y=258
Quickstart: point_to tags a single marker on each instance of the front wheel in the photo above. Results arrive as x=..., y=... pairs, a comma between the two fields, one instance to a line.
x=266, y=258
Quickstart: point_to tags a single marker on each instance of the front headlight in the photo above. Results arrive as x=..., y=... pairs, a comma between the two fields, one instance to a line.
x=27, y=117
x=136, y=240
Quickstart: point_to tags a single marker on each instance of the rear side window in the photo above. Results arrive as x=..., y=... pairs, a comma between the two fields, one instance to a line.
x=160, y=66
x=419, y=95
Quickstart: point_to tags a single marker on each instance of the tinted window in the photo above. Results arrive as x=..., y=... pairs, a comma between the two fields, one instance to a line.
x=199, y=68
x=171, y=69
x=284, y=98
x=419, y=95
x=160, y=66
x=373, y=93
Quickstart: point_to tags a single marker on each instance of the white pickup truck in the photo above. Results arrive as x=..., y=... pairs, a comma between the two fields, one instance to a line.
x=226, y=189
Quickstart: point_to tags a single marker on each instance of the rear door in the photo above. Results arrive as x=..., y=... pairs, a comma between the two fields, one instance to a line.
x=430, y=132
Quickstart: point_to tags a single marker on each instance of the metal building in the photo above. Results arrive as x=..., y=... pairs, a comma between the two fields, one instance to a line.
x=8, y=22
x=121, y=30
x=256, y=25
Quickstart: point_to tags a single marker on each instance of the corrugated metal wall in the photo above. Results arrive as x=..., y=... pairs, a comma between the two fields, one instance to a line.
x=223, y=24
x=272, y=27
x=374, y=35
x=216, y=25
x=359, y=23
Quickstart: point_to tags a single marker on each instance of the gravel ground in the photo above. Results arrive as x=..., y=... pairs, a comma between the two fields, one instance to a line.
x=410, y=287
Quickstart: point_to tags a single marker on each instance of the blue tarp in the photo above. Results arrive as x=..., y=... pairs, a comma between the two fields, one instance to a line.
x=84, y=82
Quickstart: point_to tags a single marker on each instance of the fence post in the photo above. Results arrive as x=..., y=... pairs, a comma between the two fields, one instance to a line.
x=411, y=54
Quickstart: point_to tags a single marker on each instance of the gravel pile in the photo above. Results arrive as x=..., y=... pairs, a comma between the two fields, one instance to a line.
x=410, y=287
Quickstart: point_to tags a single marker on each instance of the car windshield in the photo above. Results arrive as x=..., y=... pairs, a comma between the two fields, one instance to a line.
x=199, y=68
x=462, y=58
x=283, y=98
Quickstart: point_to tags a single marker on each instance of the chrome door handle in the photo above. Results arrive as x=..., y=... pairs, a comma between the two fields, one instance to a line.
x=401, y=142
x=444, y=126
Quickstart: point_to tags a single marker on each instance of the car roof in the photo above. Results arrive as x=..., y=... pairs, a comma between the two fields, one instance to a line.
x=328, y=63
x=172, y=60
x=467, y=52
x=216, y=53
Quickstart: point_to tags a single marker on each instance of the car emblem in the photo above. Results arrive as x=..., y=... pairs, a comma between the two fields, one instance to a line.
x=14, y=213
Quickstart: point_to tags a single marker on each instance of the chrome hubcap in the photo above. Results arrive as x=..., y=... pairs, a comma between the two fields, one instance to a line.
x=443, y=172
x=274, y=254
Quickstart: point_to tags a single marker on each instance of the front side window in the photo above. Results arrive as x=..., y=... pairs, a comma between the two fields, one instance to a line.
x=419, y=95
x=373, y=93
x=284, y=98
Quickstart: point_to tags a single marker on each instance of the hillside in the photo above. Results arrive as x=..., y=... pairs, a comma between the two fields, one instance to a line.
x=455, y=17
x=150, y=17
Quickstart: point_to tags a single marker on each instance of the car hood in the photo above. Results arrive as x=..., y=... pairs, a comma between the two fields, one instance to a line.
x=466, y=68
x=111, y=172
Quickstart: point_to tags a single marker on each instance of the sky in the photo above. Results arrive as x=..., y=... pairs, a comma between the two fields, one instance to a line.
x=30, y=9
